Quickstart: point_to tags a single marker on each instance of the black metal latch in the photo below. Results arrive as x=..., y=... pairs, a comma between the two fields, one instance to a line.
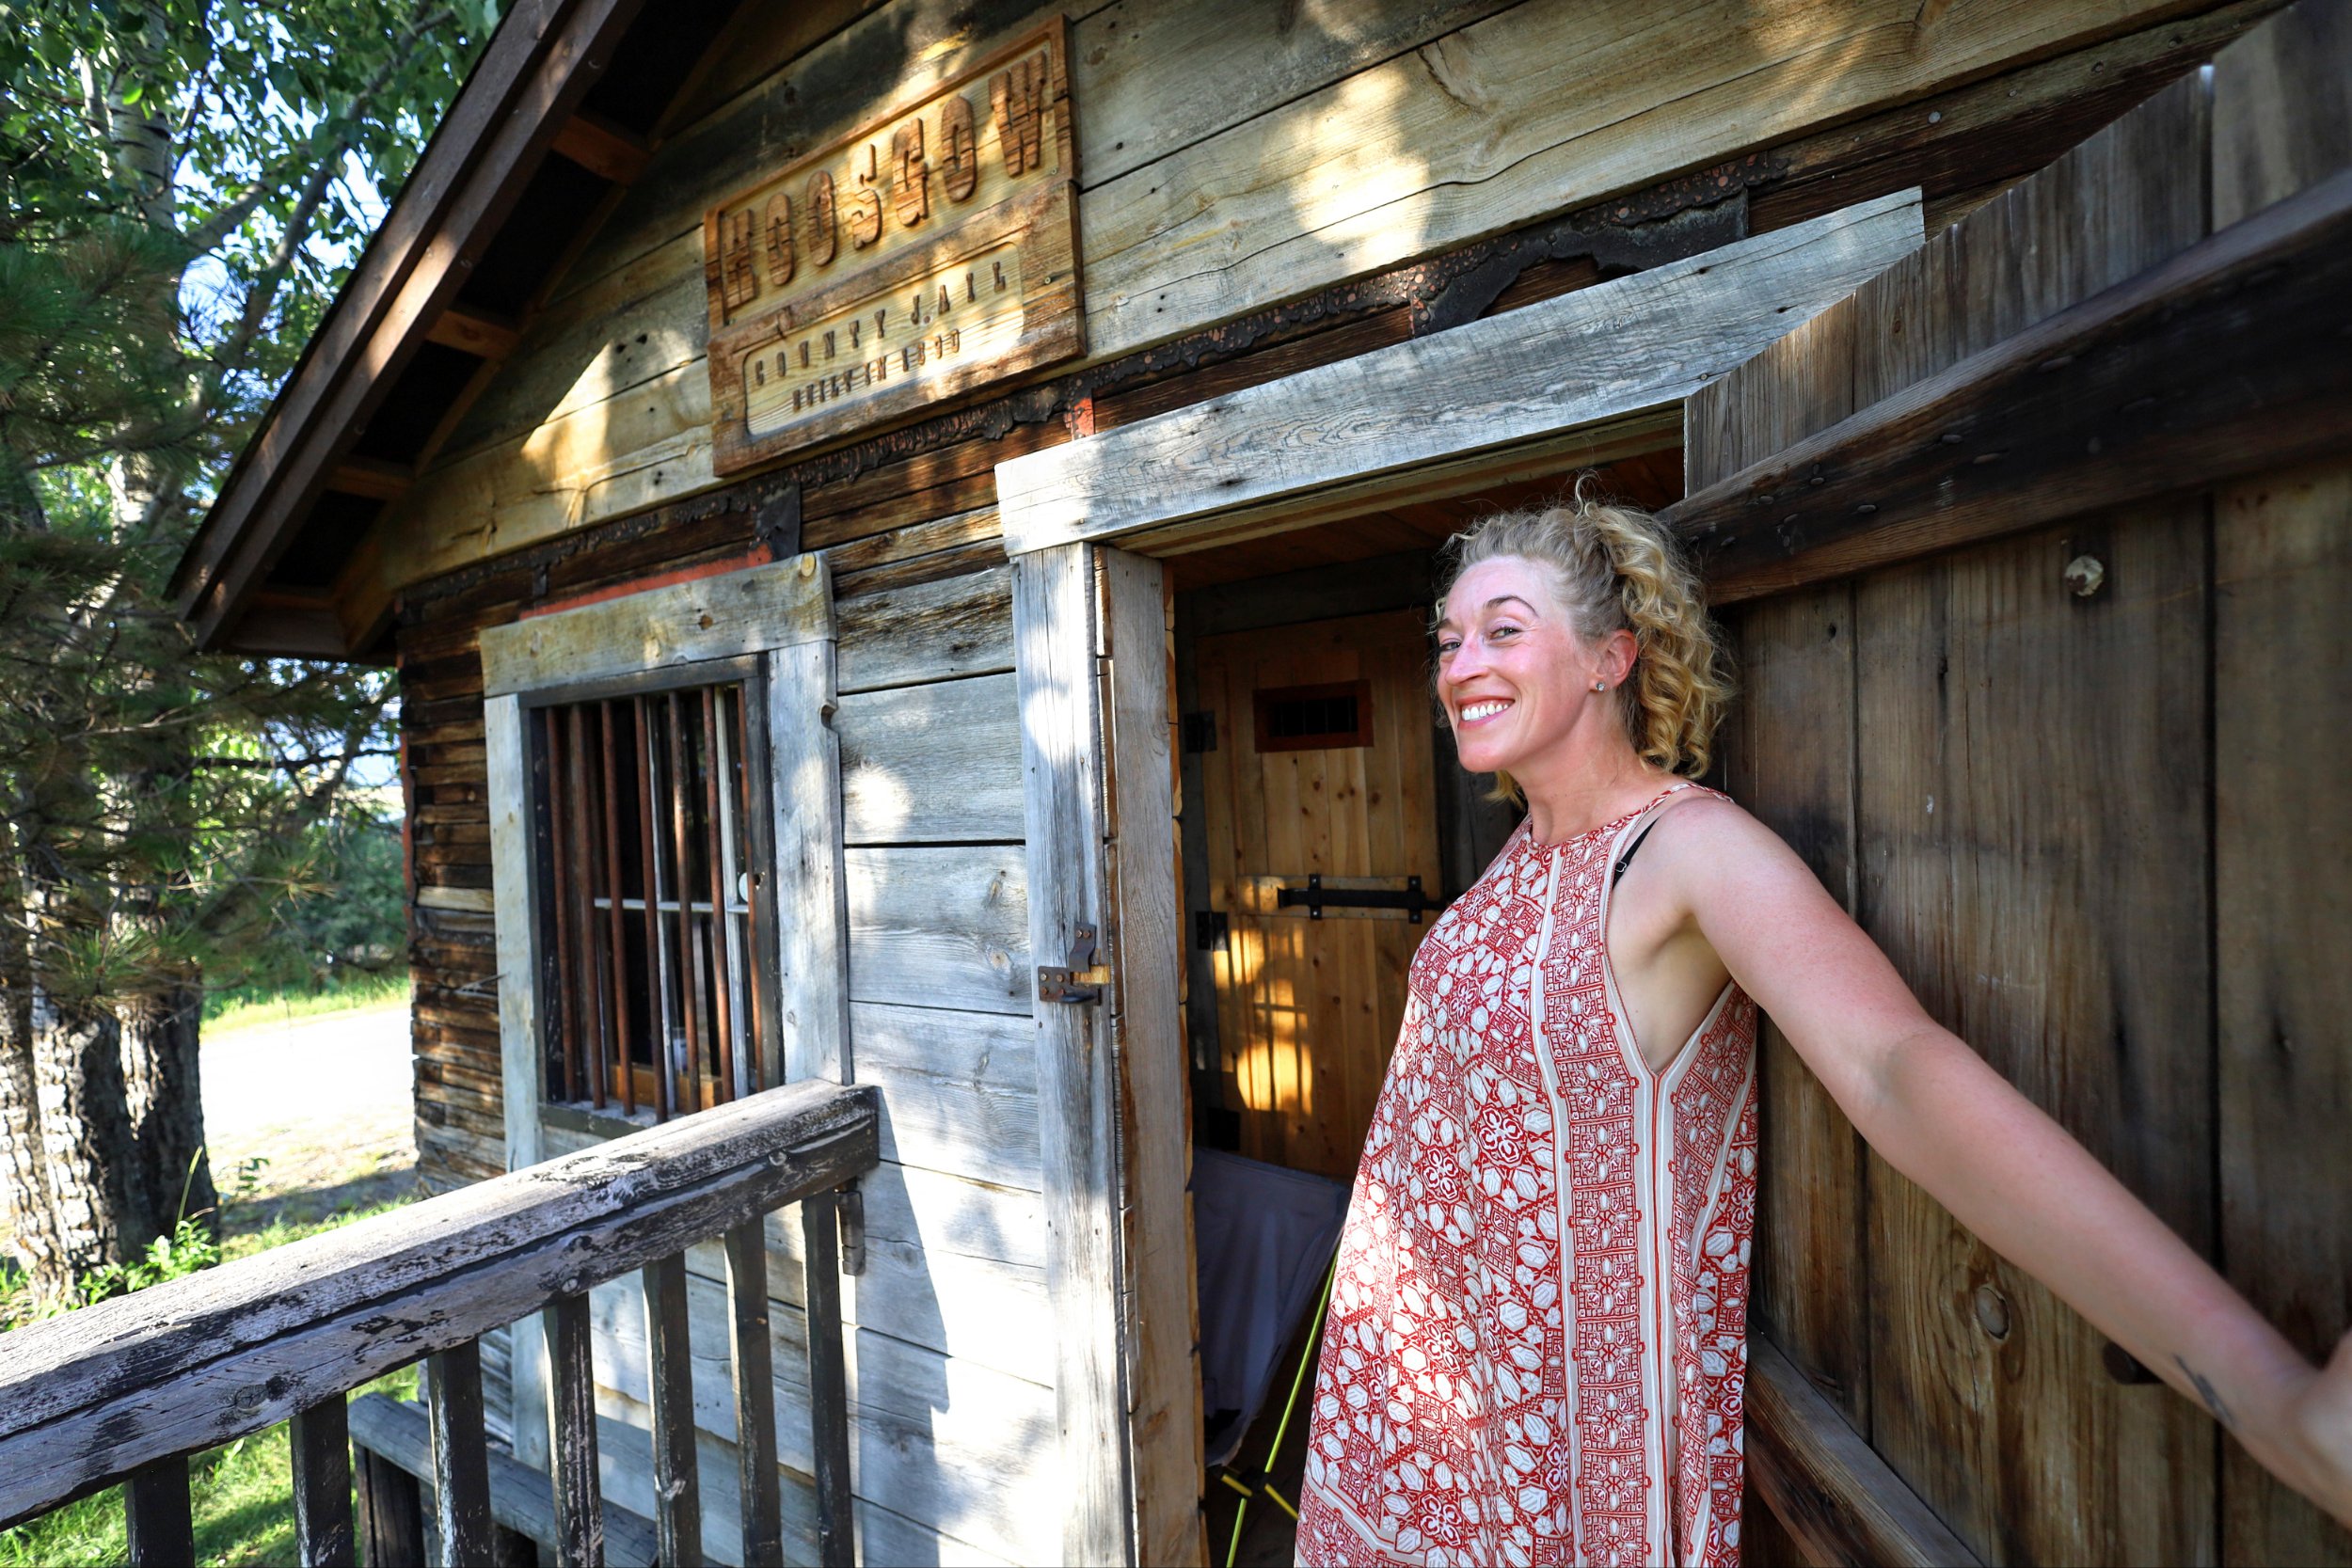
x=1317, y=898
x=1082, y=981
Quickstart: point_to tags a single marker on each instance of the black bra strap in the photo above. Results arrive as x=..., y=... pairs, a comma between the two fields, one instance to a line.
x=1627, y=859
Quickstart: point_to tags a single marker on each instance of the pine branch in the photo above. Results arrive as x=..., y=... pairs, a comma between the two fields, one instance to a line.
x=294, y=767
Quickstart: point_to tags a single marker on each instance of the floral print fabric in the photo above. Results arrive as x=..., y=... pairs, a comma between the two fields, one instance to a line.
x=1536, y=1344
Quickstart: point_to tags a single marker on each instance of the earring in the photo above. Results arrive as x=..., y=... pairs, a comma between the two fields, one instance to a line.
x=1600, y=686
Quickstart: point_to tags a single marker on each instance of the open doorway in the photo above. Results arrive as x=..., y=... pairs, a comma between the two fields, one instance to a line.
x=1325, y=824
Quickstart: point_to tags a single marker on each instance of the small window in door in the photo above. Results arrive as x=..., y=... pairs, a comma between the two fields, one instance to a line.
x=656, y=929
x=1313, y=718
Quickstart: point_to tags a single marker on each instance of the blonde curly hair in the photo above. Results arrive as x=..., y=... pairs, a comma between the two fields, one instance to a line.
x=1617, y=568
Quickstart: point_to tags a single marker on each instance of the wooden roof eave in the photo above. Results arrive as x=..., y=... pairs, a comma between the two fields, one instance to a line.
x=516, y=104
x=2232, y=358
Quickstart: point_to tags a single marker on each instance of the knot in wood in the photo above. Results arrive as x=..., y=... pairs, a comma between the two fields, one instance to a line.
x=1992, y=1311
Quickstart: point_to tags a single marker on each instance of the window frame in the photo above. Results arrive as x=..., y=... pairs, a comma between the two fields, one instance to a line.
x=748, y=671
x=777, y=616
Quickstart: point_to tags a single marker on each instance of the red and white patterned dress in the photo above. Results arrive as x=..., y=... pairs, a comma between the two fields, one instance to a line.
x=1536, y=1346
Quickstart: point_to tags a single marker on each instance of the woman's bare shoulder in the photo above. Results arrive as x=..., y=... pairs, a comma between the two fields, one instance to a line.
x=1707, y=829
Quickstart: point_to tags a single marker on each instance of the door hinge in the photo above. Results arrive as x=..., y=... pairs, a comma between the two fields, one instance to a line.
x=1200, y=731
x=1081, y=979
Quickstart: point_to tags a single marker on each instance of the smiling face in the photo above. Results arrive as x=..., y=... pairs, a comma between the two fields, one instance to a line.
x=1515, y=675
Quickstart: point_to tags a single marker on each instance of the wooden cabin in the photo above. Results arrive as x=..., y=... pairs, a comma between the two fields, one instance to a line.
x=906, y=530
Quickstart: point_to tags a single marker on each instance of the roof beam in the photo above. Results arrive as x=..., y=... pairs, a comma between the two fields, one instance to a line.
x=286, y=623
x=371, y=477
x=482, y=333
x=602, y=147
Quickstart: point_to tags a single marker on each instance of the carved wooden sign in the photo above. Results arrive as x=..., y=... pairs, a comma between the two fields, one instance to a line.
x=933, y=251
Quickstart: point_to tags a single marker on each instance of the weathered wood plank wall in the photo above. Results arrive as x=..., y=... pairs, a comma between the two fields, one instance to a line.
x=2281, y=579
x=585, y=464
x=944, y=1360
x=2066, y=819
x=1382, y=135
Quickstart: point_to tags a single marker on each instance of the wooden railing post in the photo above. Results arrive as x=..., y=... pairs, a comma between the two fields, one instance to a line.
x=391, y=1513
x=755, y=1394
x=461, y=1457
x=828, y=1385
x=572, y=1395
x=155, y=1512
x=321, y=1439
x=678, y=1512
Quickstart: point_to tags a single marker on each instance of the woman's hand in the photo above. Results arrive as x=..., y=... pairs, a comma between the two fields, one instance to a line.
x=2320, y=1421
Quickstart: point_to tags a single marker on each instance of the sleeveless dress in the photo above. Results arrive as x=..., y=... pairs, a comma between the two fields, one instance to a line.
x=1537, y=1345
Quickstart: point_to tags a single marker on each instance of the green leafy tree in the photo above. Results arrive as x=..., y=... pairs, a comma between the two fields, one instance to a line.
x=184, y=184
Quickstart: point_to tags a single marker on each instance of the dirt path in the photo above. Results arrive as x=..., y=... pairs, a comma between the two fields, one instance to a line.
x=325, y=1100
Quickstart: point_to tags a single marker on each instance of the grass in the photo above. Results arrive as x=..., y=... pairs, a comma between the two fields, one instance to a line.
x=240, y=1009
x=243, y=1491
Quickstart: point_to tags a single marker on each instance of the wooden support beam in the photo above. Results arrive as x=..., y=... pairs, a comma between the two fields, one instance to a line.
x=828, y=1385
x=157, y=1518
x=677, y=1499
x=602, y=147
x=485, y=333
x=362, y=604
x=753, y=610
x=1828, y=1489
x=1057, y=628
x=461, y=1464
x=2234, y=357
x=289, y=623
x=751, y=1358
x=1569, y=364
x=371, y=477
x=572, y=1415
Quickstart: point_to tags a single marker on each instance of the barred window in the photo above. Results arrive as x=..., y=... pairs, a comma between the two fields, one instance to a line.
x=659, y=938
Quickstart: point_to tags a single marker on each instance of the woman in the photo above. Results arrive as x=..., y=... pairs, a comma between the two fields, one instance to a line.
x=1536, y=1339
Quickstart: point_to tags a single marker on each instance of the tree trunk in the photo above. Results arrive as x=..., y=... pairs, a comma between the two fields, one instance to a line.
x=162, y=1021
x=166, y=1101
x=29, y=1215
x=92, y=1155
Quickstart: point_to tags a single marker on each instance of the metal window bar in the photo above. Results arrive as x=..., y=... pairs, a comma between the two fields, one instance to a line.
x=654, y=833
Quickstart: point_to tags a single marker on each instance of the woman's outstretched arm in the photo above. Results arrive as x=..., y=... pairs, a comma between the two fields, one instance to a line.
x=1936, y=1112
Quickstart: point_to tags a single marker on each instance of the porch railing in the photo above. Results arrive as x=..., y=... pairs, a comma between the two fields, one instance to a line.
x=127, y=1390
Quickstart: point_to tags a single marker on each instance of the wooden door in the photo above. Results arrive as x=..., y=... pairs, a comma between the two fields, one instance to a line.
x=2055, y=744
x=1322, y=826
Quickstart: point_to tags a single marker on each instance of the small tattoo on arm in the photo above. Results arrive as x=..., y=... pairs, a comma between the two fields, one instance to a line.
x=2205, y=1392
